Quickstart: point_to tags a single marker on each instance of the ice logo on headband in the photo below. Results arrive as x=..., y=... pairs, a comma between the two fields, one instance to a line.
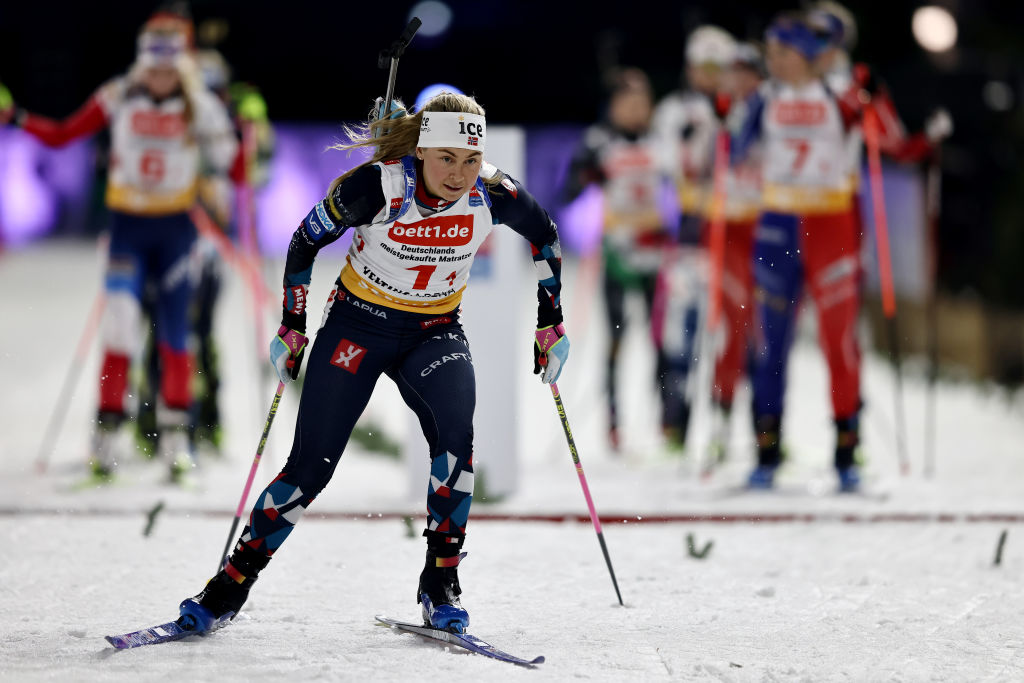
x=470, y=128
x=456, y=130
x=472, y=131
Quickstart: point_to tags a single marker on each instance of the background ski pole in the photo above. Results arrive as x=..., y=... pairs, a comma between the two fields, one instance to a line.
x=247, y=267
x=933, y=193
x=252, y=474
x=583, y=482
x=60, y=410
x=711, y=333
x=885, y=272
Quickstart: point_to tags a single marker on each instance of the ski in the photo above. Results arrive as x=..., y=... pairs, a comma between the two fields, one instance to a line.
x=784, y=491
x=463, y=640
x=164, y=633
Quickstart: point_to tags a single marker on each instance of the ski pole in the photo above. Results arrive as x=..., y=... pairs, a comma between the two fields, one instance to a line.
x=208, y=229
x=388, y=59
x=252, y=473
x=933, y=192
x=717, y=237
x=583, y=482
x=716, y=253
x=70, y=381
x=885, y=272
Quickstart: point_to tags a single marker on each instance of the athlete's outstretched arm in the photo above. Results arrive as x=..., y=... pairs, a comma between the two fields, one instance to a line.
x=512, y=205
x=352, y=202
x=90, y=118
x=750, y=130
x=585, y=166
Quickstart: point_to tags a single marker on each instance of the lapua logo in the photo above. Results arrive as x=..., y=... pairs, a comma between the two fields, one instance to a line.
x=436, y=231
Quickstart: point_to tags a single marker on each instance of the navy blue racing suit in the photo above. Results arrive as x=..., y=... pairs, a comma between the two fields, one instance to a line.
x=425, y=354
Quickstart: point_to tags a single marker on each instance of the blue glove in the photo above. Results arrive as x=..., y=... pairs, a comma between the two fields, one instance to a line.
x=286, y=352
x=550, y=352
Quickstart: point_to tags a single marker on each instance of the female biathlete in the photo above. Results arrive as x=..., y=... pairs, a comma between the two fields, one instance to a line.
x=164, y=127
x=808, y=233
x=687, y=124
x=806, y=236
x=742, y=206
x=419, y=209
x=619, y=155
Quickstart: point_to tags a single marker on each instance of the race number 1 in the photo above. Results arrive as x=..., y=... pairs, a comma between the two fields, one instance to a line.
x=423, y=274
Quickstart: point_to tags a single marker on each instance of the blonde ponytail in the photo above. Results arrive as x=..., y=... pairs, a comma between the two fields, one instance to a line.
x=399, y=135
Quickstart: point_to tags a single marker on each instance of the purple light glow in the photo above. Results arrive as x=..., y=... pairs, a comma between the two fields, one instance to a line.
x=581, y=222
x=301, y=172
x=27, y=202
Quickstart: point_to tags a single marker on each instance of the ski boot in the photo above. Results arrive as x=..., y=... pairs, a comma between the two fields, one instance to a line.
x=675, y=421
x=769, y=454
x=101, y=453
x=614, y=440
x=847, y=442
x=147, y=434
x=762, y=478
x=718, y=448
x=849, y=479
x=223, y=596
x=439, y=588
x=176, y=450
x=674, y=440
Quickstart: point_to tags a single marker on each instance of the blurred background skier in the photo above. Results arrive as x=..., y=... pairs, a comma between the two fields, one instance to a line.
x=806, y=236
x=165, y=127
x=742, y=206
x=618, y=155
x=686, y=125
x=836, y=25
x=226, y=198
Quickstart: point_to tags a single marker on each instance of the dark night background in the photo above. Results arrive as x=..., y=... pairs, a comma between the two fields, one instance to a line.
x=538, y=62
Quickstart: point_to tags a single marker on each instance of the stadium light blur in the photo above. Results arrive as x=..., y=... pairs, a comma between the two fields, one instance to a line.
x=432, y=90
x=435, y=15
x=934, y=28
x=998, y=95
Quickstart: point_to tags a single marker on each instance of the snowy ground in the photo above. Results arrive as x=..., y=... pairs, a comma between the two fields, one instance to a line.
x=797, y=586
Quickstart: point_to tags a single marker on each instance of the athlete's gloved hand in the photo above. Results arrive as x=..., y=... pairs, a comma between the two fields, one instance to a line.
x=6, y=105
x=939, y=125
x=550, y=352
x=286, y=352
x=866, y=80
x=377, y=113
x=722, y=103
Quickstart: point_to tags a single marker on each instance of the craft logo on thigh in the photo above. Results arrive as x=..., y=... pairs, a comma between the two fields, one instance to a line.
x=348, y=356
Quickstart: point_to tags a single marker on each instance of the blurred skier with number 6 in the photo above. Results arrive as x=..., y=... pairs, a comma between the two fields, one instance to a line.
x=165, y=127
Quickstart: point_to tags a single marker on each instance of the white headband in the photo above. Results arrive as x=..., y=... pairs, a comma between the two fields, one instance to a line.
x=156, y=49
x=453, y=129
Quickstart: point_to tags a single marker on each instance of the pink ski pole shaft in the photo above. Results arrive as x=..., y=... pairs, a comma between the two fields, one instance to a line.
x=70, y=380
x=583, y=483
x=252, y=473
